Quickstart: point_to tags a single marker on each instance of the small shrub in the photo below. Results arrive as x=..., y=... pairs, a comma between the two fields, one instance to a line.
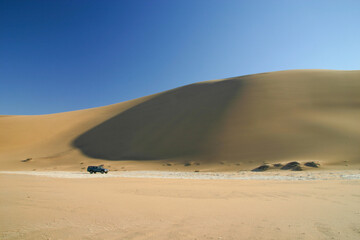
x=311, y=164
x=262, y=168
x=297, y=168
x=290, y=165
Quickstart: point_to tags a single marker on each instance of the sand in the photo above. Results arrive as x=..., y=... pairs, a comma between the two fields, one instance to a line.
x=221, y=125
x=179, y=163
x=39, y=207
x=242, y=175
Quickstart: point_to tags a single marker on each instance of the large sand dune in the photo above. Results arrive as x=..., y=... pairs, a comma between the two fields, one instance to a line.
x=236, y=123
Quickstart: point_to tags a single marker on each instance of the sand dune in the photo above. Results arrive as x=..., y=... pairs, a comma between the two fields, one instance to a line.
x=236, y=123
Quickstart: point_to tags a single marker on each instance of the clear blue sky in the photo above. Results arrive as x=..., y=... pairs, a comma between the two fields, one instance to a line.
x=66, y=55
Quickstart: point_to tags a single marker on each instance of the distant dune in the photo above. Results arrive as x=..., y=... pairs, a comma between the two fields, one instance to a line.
x=230, y=124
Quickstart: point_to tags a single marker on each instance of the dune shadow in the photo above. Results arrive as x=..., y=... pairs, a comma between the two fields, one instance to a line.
x=176, y=123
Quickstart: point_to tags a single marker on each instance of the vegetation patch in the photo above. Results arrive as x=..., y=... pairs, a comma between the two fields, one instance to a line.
x=27, y=160
x=290, y=165
x=261, y=168
x=312, y=164
x=297, y=168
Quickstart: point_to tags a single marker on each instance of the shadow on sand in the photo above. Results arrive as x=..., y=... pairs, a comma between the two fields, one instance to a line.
x=176, y=123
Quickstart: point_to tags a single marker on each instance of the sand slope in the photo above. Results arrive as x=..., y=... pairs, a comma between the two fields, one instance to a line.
x=239, y=122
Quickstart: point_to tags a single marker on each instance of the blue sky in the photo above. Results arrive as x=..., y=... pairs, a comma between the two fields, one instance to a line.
x=66, y=55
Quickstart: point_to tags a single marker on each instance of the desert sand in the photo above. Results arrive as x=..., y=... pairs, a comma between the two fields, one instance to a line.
x=179, y=163
x=221, y=125
x=39, y=207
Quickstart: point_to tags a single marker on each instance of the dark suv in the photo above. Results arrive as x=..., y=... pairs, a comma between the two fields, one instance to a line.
x=95, y=169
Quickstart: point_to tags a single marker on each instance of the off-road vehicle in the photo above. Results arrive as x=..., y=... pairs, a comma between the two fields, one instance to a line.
x=95, y=169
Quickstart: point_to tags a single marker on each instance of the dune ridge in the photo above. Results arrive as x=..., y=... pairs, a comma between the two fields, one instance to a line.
x=235, y=123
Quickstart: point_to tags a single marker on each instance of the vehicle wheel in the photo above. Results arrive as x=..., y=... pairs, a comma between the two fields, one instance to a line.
x=91, y=172
x=102, y=172
x=106, y=172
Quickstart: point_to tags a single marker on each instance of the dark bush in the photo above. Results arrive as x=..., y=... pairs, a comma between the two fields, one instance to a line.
x=311, y=164
x=297, y=168
x=290, y=165
x=262, y=168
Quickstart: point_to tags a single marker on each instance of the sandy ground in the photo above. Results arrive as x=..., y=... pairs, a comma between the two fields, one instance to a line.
x=242, y=175
x=52, y=206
